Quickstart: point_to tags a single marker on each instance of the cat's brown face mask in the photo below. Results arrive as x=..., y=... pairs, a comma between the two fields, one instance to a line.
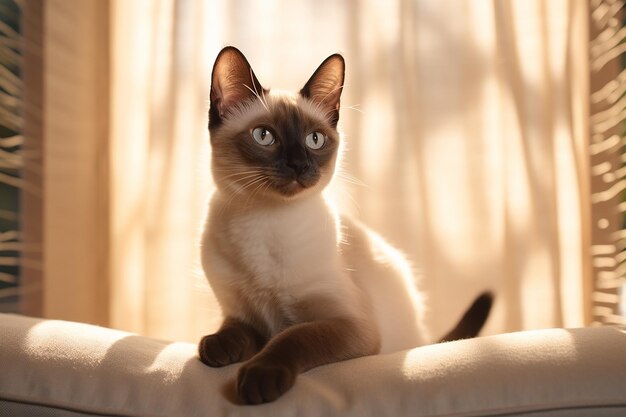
x=266, y=144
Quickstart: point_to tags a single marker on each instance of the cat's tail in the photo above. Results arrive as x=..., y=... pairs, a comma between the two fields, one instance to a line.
x=473, y=319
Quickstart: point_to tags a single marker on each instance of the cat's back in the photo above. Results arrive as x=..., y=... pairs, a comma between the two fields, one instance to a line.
x=388, y=278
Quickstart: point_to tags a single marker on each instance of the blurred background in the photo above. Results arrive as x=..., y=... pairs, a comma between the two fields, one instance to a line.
x=484, y=139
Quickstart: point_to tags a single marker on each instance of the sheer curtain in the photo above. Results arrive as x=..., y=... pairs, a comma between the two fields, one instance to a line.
x=159, y=167
x=473, y=141
x=465, y=124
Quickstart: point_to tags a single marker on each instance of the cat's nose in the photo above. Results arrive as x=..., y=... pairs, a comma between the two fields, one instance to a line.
x=299, y=166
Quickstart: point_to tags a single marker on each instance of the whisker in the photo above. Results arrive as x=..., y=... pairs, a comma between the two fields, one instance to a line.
x=253, y=181
x=256, y=93
x=234, y=168
x=256, y=190
x=319, y=103
x=264, y=99
x=259, y=183
x=240, y=189
x=248, y=181
x=257, y=96
x=353, y=200
x=332, y=91
x=354, y=108
x=242, y=173
x=350, y=179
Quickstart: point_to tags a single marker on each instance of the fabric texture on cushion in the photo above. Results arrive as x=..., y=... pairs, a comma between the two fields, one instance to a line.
x=78, y=369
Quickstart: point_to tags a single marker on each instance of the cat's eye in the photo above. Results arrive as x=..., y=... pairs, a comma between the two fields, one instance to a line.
x=315, y=140
x=263, y=136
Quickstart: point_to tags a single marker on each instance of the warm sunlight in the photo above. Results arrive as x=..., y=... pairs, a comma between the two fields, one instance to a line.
x=465, y=148
x=37, y=342
x=457, y=165
x=312, y=207
x=466, y=356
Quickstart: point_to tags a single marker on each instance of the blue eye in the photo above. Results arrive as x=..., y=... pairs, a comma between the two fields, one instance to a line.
x=263, y=136
x=315, y=140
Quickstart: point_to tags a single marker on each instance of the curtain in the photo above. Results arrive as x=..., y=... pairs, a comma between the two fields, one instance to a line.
x=159, y=167
x=465, y=124
x=473, y=143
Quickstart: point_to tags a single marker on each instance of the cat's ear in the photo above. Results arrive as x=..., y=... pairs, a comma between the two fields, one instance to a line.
x=325, y=86
x=232, y=82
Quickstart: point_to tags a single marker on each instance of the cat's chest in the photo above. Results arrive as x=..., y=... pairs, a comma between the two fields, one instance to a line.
x=284, y=248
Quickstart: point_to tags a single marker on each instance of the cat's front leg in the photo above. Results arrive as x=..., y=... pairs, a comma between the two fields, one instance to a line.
x=273, y=371
x=235, y=341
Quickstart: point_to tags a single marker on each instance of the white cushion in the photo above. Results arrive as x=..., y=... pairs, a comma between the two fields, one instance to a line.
x=57, y=368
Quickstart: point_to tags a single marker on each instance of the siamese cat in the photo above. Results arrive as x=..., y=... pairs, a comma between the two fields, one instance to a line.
x=299, y=284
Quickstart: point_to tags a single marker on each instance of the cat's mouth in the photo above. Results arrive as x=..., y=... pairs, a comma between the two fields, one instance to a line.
x=292, y=187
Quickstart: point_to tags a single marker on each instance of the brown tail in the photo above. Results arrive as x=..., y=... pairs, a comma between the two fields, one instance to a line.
x=473, y=319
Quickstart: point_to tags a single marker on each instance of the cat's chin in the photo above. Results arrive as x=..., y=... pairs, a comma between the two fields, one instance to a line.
x=301, y=188
x=291, y=189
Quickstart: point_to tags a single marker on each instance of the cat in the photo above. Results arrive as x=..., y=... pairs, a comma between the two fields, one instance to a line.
x=299, y=285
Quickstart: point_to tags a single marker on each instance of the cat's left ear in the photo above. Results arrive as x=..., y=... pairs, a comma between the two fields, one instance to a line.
x=325, y=86
x=232, y=82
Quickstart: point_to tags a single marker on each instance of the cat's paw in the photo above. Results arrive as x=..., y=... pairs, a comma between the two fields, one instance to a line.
x=262, y=382
x=221, y=349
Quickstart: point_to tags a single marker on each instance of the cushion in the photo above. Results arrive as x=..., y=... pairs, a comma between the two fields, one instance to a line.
x=58, y=368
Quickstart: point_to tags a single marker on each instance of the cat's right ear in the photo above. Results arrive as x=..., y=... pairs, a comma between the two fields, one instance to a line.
x=232, y=82
x=325, y=86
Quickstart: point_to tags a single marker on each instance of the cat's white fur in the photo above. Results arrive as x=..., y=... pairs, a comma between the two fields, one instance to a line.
x=271, y=255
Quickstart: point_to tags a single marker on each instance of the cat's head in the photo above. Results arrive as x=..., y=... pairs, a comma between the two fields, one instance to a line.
x=270, y=144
